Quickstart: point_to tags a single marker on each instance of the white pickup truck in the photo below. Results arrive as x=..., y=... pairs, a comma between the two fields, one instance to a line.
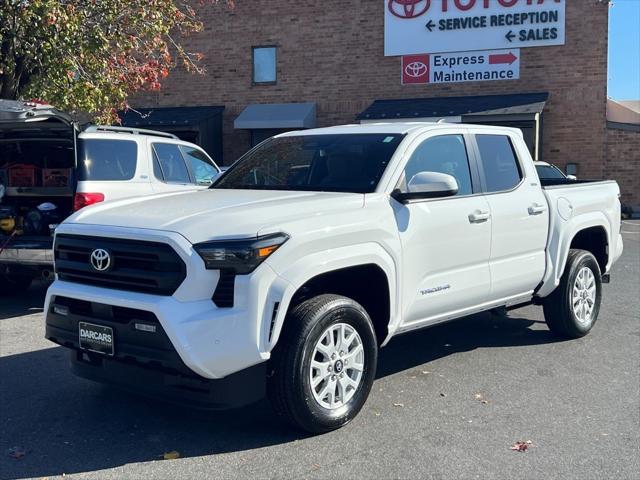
x=314, y=250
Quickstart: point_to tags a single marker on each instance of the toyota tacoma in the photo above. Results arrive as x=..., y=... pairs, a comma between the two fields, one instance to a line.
x=314, y=250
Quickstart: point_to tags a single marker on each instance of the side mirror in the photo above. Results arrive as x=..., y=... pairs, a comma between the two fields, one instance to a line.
x=427, y=185
x=572, y=177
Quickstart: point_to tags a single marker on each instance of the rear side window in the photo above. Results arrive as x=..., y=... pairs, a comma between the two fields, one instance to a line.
x=549, y=172
x=201, y=166
x=106, y=160
x=498, y=157
x=168, y=164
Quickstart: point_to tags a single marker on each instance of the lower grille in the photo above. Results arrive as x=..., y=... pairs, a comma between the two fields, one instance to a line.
x=150, y=348
x=225, y=290
x=137, y=266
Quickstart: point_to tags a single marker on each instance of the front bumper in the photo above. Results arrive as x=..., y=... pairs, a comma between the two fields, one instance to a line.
x=217, y=354
x=211, y=342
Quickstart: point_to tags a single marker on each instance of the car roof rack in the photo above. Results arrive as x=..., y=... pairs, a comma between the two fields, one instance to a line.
x=134, y=131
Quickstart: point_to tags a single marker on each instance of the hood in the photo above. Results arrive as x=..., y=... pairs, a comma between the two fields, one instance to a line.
x=216, y=214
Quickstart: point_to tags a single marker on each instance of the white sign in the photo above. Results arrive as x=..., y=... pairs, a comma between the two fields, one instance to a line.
x=461, y=67
x=419, y=26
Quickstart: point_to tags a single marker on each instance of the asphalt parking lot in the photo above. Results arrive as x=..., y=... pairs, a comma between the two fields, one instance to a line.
x=449, y=402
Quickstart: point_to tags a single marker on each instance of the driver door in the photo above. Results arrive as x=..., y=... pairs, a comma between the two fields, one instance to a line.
x=445, y=241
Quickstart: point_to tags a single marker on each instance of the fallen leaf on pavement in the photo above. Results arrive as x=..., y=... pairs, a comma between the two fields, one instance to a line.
x=17, y=452
x=481, y=399
x=172, y=455
x=521, y=446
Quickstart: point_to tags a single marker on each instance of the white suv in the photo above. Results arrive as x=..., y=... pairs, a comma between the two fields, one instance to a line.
x=50, y=167
x=119, y=162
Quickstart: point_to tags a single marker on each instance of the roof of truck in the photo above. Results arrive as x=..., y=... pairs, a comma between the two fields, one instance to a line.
x=398, y=128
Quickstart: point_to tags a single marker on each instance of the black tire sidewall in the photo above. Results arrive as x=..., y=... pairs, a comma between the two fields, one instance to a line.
x=584, y=259
x=311, y=414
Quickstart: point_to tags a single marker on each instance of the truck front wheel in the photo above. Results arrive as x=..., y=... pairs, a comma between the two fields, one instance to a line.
x=572, y=309
x=323, y=368
x=14, y=284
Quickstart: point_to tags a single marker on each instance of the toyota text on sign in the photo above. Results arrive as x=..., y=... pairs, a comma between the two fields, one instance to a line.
x=419, y=26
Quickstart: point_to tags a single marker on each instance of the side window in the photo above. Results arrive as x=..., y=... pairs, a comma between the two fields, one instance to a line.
x=201, y=165
x=106, y=160
x=168, y=164
x=498, y=157
x=442, y=154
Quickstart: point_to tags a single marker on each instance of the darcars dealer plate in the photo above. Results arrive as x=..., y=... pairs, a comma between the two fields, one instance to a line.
x=96, y=338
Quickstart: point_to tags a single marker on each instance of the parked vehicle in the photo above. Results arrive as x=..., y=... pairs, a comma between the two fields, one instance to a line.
x=548, y=171
x=313, y=251
x=51, y=167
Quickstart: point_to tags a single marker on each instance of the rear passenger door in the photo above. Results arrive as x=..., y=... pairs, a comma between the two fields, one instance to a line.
x=170, y=170
x=519, y=215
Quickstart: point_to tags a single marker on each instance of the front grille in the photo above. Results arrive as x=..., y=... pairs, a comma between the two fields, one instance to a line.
x=136, y=266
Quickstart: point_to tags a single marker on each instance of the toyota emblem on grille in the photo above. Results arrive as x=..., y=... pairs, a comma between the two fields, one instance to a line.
x=416, y=69
x=409, y=8
x=100, y=260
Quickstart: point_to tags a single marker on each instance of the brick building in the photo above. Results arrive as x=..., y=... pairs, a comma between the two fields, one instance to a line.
x=329, y=55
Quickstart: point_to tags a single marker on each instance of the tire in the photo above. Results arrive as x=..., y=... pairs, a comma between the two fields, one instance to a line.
x=562, y=317
x=14, y=284
x=289, y=386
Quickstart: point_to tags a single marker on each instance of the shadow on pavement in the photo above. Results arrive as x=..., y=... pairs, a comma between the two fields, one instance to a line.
x=27, y=303
x=68, y=425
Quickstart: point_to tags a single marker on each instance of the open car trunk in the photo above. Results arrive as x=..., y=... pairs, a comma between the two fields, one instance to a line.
x=37, y=173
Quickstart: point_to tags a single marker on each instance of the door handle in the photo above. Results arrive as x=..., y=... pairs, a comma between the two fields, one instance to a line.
x=479, y=216
x=537, y=209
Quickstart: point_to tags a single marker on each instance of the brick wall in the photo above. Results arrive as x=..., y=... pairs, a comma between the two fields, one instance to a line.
x=622, y=162
x=331, y=52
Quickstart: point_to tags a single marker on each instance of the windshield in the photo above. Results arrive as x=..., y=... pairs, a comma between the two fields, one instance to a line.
x=334, y=163
x=548, y=171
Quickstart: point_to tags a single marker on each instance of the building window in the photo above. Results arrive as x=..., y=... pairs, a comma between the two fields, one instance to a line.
x=264, y=65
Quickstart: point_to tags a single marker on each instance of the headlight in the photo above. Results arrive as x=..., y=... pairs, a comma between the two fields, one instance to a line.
x=239, y=256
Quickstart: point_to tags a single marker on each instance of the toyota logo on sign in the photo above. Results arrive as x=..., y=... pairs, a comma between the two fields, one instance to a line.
x=409, y=8
x=100, y=260
x=416, y=69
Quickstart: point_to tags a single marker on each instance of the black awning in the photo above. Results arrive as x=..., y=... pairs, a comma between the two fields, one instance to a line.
x=409, y=108
x=168, y=116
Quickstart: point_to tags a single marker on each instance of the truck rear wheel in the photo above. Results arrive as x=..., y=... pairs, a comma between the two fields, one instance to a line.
x=323, y=368
x=572, y=309
x=13, y=284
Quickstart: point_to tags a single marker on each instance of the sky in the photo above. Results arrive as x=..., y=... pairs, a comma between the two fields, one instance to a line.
x=624, y=50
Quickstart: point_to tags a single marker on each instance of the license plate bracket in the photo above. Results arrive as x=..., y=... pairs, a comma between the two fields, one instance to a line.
x=96, y=338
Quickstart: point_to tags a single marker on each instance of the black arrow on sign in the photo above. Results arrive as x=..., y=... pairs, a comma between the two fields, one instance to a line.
x=430, y=25
x=510, y=36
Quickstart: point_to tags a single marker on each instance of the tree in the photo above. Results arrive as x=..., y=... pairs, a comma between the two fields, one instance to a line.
x=91, y=55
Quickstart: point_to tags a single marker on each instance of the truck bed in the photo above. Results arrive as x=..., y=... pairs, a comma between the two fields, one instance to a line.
x=576, y=205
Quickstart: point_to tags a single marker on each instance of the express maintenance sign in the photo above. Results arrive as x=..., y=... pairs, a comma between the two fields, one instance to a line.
x=419, y=26
x=461, y=67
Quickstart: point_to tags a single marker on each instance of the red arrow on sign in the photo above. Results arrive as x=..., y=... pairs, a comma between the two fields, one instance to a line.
x=502, y=58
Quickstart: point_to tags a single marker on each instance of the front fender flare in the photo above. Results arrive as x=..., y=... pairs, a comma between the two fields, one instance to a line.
x=296, y=274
